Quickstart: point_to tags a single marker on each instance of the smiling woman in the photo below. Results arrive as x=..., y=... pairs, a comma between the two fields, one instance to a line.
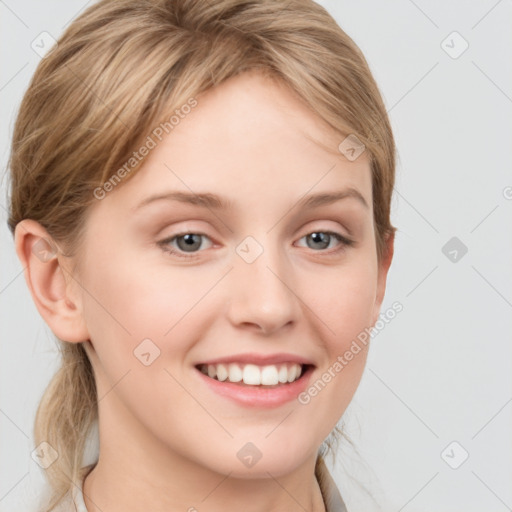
x=198, y=299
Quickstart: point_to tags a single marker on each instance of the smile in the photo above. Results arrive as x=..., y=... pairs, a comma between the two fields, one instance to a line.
x=256, y=386
x=254, y=375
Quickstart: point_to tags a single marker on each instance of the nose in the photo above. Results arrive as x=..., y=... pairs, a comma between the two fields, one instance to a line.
x=261, y=293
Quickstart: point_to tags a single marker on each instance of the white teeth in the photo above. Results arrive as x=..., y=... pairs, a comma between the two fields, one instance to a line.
x=235, y=373
x=222, y=372
x=283, y=374
x=292, y=373
x=253, y=375
x=269, y=376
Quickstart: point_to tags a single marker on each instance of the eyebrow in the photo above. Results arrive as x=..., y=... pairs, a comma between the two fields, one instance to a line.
x=215, y=202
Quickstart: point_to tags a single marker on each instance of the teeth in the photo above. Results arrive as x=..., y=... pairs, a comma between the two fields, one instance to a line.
x=252, y=374
x=292, y=373
x=222, y=372
x=235, y=373
x=269, y=375
x=283, y=374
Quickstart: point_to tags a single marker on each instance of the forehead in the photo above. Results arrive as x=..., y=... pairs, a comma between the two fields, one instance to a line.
x=252, y=140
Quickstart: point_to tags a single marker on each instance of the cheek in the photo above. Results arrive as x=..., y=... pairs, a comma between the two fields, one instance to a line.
x=133, y=310
x=344, y=304
x=129, y=299
x=344, y=301
x=136, y=316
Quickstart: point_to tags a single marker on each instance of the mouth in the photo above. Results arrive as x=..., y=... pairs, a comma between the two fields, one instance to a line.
x=267, y=376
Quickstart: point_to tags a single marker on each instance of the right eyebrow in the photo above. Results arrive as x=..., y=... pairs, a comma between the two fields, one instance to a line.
x=205, y=200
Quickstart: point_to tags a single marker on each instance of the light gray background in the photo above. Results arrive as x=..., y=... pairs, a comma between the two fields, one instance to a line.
x=441, y=370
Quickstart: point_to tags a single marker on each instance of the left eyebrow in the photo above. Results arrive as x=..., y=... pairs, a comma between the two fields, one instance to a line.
x=215, y=202
x=316, y=200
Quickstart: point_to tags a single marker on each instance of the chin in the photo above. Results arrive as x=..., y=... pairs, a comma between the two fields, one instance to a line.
x=250, y=462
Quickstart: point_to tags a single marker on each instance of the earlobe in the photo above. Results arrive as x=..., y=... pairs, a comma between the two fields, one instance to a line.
x=384, y=265
x=46, y=279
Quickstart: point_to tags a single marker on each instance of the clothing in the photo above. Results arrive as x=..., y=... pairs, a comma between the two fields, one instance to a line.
x=330, y=493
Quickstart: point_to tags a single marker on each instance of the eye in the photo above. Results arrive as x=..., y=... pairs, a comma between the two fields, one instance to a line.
x=322, y=240
x=185, y=243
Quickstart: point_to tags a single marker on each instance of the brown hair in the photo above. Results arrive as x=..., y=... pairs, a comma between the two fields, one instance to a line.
x=117, y=72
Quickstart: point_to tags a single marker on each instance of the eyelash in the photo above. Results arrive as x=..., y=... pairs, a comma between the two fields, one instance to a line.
x=164, y=244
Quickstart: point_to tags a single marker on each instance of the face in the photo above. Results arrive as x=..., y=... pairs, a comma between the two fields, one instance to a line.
x=226, y=248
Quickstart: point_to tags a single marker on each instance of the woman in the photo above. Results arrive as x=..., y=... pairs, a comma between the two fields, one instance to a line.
x=201, y=201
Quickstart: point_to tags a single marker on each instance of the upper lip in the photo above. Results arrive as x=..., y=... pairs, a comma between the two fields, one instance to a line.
x=259, y=359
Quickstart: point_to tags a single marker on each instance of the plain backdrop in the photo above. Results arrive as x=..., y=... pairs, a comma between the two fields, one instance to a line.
x=432, y=417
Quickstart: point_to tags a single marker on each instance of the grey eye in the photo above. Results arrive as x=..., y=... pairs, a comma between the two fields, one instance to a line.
x=189, y=242
x=319, y=239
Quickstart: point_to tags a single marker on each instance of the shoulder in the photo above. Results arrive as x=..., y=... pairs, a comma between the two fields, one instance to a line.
x=73, y=501
x=66, y=504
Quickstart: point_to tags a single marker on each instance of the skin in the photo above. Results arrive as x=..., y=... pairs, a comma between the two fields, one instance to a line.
x=166, y=441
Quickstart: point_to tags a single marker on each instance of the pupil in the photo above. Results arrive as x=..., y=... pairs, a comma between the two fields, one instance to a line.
x=190, y=241
x=320, y=238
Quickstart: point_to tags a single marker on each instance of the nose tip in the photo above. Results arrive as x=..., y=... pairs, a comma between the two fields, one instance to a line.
x=260, y=298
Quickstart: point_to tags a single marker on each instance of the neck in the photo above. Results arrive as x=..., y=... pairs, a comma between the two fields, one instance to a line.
x=135, y=471
x=124, y=487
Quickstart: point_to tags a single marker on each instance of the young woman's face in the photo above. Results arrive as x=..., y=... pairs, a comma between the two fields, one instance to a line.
x=227, y=246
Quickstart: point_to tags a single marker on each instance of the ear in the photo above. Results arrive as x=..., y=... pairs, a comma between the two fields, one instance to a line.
x=384, y=265
x=49, y=281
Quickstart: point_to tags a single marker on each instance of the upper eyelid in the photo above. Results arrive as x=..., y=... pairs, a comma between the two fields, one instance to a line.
x=199, y=232
x=347, y=234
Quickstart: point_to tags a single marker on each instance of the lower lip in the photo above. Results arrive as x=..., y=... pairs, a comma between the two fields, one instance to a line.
x=259, y=396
